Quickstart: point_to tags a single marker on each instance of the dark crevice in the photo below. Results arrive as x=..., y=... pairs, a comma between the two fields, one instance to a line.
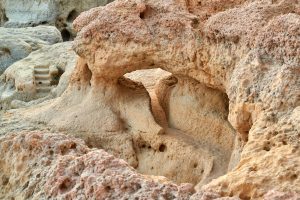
x=65, y=35
x=72, y=16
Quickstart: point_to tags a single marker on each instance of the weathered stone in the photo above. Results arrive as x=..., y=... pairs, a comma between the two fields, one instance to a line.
x=246, y=49
x=249, y=52
x=59, y=13
x=18, y=43
x=43, y=74
x=38, y=165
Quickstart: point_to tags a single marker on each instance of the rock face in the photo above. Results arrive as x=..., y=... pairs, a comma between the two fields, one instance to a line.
x=16, y=44
x=60, y=13
x=254, y=63
x=231, y=106
x=54, y=166
x=43, y=74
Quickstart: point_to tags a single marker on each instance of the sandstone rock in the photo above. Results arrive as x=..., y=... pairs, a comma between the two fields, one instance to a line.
x=210, y=196
x=179, y=98
x=150, y=78
x=275, y=195
x=16, y=44
x=249, y=52
x=38, y=165
x=247, y=49
x=43, y=74
x=59, y=13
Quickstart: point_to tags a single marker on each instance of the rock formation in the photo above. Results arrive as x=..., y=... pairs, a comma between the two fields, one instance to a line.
x=59, y=13
x=16, y=44
x=226, y=120
x=53, y=166
x=43, y=74
x=223, y=54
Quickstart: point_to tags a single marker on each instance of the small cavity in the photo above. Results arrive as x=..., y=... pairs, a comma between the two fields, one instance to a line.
x=162, y=148
x=107, y=188
x=72, y=16
x=294, y=177
x=73, y=146
x=5, y=180
x=142, y=15
x=65, y=185
x=4, y=52
x=66, y=35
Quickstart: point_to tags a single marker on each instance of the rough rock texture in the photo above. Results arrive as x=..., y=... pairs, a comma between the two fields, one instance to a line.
x=45, y=74
x=3, y=18
x=60, y=13
x=17, y=43
x=251, y=53
x=275, y=195
x=180, y=97
x=246, y=49
x=38, y=165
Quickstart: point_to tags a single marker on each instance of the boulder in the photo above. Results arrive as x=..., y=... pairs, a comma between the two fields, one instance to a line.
x=18, y=43
x=42, y=75
x=59, y=13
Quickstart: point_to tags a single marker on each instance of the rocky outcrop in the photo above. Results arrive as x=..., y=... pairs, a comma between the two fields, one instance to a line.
x=44, y=74
x=234, y=64
x=18, y=43
x=38, y=165
x=254, y=63
x=59, y=13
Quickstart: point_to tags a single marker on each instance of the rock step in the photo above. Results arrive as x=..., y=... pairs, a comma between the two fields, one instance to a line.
x=42, y=77
x=41, y=71
x=42, y=82
x=42, y=67
x=45, y=90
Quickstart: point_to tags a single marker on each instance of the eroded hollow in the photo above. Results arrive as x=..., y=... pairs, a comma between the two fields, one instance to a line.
x=72, y=16
x=198, y=140
x=66, y=35
x=4, y=52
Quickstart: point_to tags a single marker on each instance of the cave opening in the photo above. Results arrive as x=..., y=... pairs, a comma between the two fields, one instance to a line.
x=66, y=35
x=72, y=16
x=198, y=140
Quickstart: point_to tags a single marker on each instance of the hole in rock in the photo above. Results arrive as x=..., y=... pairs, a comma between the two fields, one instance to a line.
x=294, y=177
x=142, y=15
x=162, y=148
x=66, y=35
x=72, y=16
x=107, y=188
x=56, y=77
x=4, y=52
x=65, y=185
x=198, y=140
x=4, y=17
x=5, y=180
